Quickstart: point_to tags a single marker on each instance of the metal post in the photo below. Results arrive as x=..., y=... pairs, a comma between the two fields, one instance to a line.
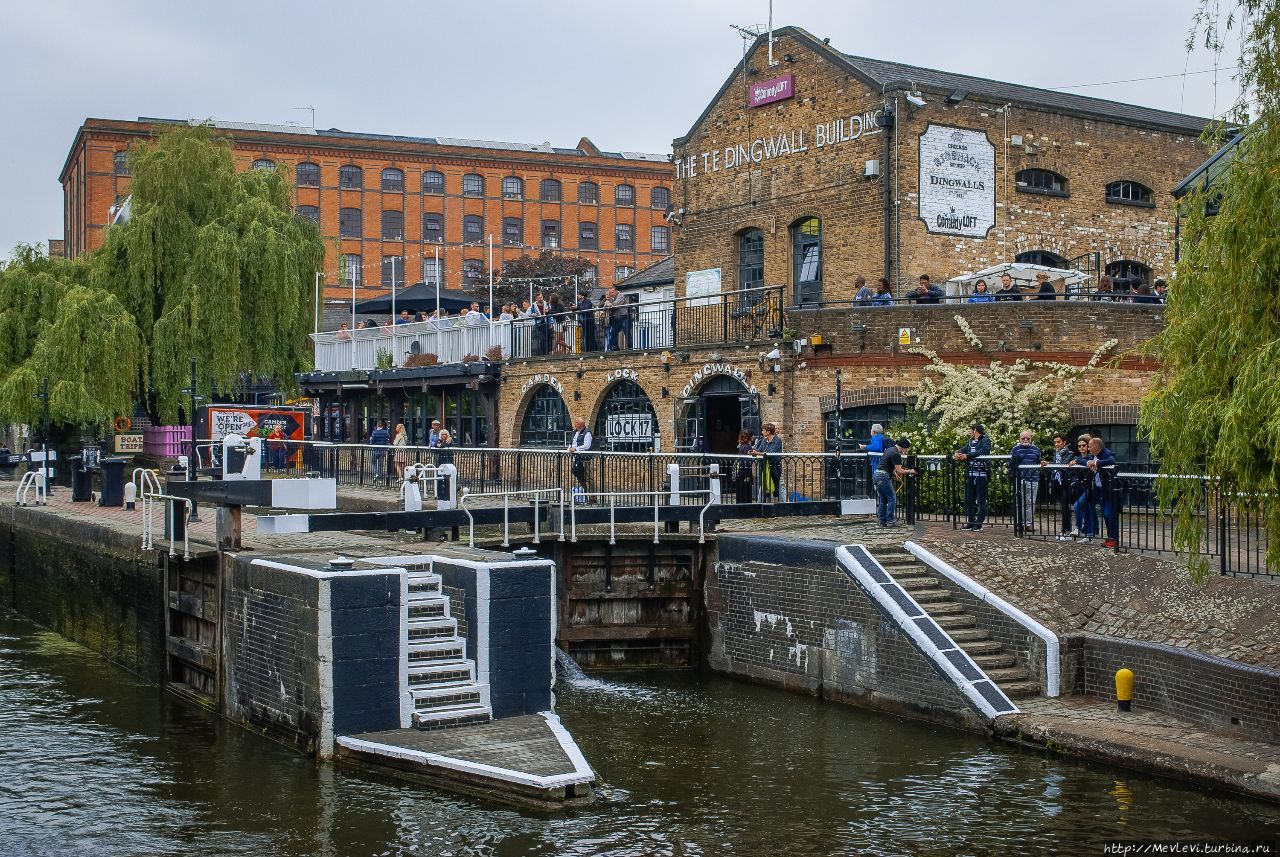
x=393, y=305
x=44, y=464
x=317, y=303
x=192, y=473
x=839, y=441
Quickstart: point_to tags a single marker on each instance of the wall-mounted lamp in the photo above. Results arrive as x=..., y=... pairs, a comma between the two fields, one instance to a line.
x=788, y=58
x=577, y=395
x=916, y=100
x=665, y=392
x=666, y=361
x=581, y=373
x=773, y=391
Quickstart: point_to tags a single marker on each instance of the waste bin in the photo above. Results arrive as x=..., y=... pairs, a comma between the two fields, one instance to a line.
x=112, y=481
x=81, y=481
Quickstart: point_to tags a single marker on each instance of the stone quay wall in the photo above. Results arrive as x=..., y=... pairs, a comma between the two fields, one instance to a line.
x=784, y=613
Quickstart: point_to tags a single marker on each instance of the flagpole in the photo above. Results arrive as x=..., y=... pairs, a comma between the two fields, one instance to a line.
x=393, y=291
x=491, y=276
x=439, y=277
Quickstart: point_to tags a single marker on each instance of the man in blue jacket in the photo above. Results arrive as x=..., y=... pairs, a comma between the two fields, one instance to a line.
x=975, y=476
x=1103, y=465
x=1025, y=481
x=875, y=446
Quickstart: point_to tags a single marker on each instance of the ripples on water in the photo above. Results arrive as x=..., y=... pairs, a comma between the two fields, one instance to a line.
x=94, y=762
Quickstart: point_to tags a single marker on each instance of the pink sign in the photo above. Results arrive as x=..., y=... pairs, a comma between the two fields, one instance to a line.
x=769, y=91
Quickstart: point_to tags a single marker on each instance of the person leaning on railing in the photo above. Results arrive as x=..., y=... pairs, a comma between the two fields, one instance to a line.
x=743, y=483
x=1024, y=456
x=769, y=447
x=980, y=294
x=884, y=293
x=976, y=476
x=926, y=292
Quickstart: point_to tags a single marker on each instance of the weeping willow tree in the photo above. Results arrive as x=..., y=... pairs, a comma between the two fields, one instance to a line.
x=1215, y=405
x=212, y=264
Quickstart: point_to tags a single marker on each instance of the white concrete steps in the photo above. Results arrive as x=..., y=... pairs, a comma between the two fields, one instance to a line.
x=430, y=651
x=449, y=673
x=436, y=628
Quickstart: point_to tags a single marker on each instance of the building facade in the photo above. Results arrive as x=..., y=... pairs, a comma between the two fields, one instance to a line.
x=409, y=209
x=826, y=166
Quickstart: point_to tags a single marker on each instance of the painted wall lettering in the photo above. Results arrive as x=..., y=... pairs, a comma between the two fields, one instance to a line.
x=957, y=181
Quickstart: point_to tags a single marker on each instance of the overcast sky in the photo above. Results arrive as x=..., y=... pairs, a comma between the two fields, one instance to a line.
x=629, y=75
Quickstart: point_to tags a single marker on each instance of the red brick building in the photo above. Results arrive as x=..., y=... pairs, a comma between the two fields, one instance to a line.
x=386, y=203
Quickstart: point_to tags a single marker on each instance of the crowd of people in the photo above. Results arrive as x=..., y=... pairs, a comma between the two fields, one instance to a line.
x=1044, y=289
x=397, y=452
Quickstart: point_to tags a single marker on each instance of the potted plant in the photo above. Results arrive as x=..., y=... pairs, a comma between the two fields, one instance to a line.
x=385, y=360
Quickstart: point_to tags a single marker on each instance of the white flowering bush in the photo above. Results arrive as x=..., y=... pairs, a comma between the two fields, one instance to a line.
x=1004, y=397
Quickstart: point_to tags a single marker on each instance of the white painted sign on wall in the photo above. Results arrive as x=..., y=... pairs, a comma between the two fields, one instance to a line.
x=702, y=288
x=629, y=427
x=957, y=181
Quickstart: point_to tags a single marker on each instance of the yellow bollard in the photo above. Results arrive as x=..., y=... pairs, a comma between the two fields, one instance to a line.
x=1124, y=689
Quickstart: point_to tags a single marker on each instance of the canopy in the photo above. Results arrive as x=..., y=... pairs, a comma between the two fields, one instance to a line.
x=1022, y=274
x=417, y=298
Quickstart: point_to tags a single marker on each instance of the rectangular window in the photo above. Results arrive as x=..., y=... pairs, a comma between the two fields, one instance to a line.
x=624, y=237
x=512, y=188
x=392, y=225
x=350, y=222
x=512, y=232
x=472, y=185
x=472, y=229
x=588, y=193
x=433, y=182
x=432, y=228
x=431, y=271
x=660, y=239
x=551, y=234
x=351, y=270
x=393, y=271
x=587, y=236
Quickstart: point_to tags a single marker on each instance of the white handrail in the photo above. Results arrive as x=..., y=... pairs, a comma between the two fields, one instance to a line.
x=536, y=493
x=149, y=525
x=657, y=495
x=32, y=479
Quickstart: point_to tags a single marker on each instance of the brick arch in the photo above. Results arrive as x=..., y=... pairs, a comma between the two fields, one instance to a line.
x=594, y=408
x=858, y=398
x=523, y=406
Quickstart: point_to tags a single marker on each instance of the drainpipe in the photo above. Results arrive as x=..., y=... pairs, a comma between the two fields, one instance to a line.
x=885, y=171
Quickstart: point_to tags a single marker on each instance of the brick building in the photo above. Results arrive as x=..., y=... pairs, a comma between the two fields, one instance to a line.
x=386, y=203
x=808, y=173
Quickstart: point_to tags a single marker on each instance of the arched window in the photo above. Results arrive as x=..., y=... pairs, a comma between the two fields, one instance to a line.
x=660, y=198
x=310, y=212
x=473, y=185
x=624, y=194
x=432, y=228
x=854, y=425
x=350, y=222
x=351, y=270
x=513, y=187
x=433, y=182
x=1041, y=257
x=1042, y=181
x=393, y=271
x=120, y=161
x=350, y=177
x=660, y=239
x=264, y=164
x=626, y=421
x=750, y=259
x=624, y=237
x=588, y=193
x=392, y=180
x=392, y=225
x=546, y=420
x=587, y=237
x=472, y=229
x=549, y=190
x=1128, y=273
x=1130, y=193
x=806, y=259
x=307, y=174
x=512, y=231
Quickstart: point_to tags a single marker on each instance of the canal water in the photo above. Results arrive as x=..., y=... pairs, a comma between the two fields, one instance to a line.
x=92, y=761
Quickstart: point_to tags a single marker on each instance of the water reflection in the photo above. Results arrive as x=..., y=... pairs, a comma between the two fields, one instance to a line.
x=95, y=762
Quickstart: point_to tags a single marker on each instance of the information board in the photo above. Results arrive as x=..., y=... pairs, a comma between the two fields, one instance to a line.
x=702, y=288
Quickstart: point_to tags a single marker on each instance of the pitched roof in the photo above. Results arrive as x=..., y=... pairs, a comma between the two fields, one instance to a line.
x=886, y=74
x=660, y=273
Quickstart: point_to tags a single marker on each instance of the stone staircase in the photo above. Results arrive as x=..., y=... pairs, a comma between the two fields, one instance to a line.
x=921, y=583
x=442, y=679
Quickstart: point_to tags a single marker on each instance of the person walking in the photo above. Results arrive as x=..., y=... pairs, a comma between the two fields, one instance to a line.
x=743, y=483
x=401, y=444
x=976, y=476
x=769, y=447
x=580, y=442
x=1103, y=466
x=890, y=468
x=379, y=437
x=863, y=293
x=1024, y=471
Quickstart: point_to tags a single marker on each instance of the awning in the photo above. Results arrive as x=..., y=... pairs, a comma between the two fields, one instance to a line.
x=1022, y=274
x=416, y=298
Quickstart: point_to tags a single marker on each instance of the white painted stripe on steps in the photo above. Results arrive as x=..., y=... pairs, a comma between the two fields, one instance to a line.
x=466, y=766
x=877, y=591
x=1053, y=666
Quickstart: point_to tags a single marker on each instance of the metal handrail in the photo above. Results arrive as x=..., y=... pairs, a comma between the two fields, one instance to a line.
x=506, y=512
x=32, y=479
x=613, y=495
x=148, y=525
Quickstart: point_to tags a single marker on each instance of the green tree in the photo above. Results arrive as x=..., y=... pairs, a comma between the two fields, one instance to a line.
x=547, y=272
x=1215, y=404
x=211, y=264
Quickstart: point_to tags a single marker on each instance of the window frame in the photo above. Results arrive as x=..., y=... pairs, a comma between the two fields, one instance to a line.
x=1021, y=186
x=557, y=239
x=594, y=193
x=512, y=187
x=439, y=230
x=397, y=180
x=756, y=262
x=547, y=184
x=653, y=197
x=436, y=188
x=659, y=230
x=591, y=242
x=518, y=233
x=307, y=167
x=1042, y=257
x=621, y=243
x=472, y=272
x=350, y=177
x=310, y=212
x=1147, y=202
x=468, y=185
x=801, y=240
x=345, y=215
x=472, y=220
x=397, y=235
x=262, y=164
x=399, y=269
x=120, y=162
x=624, y=195
x=358, y=267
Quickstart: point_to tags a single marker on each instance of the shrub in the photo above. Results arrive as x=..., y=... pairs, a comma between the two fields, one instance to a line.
x=416, y=360
x=493, y=353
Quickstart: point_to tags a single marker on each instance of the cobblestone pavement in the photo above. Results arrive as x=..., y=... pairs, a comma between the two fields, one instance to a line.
x=1147, y=740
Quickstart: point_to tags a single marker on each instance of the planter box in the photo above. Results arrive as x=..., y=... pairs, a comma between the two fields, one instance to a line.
x=167, y=441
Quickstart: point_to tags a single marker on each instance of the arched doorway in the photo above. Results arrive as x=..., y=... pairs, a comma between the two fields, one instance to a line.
x=714, y=415
x=626, y=421
x=546, y=420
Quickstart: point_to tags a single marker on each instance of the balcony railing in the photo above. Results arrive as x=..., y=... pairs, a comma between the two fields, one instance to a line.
x=742, y=316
